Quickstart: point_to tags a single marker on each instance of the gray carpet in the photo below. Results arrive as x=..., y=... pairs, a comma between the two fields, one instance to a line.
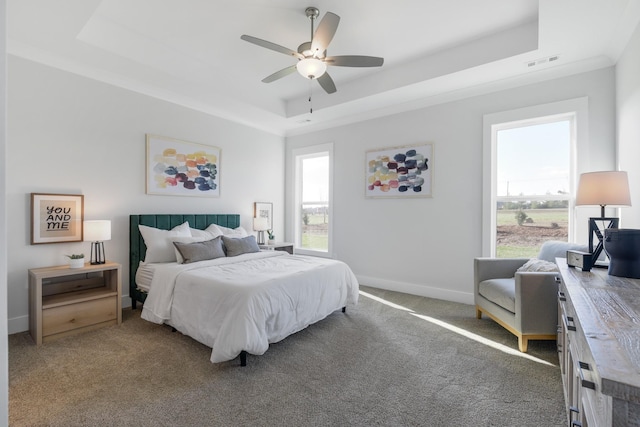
x=376, y=365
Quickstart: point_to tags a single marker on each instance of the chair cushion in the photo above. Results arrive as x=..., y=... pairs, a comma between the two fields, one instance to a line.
x=535, y=264
x=500, y=291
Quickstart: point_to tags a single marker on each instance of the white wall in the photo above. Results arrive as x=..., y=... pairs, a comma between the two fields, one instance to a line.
x=4, y=347
x=72, y=135
x=425, y=246
x=628, y=125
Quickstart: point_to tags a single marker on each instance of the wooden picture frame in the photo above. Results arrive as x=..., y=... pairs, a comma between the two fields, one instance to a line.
x=404, y=171
x=264, y=210
x=56, y=218
x=181, y=168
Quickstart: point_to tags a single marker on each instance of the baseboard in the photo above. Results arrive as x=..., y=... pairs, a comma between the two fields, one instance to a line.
x=18, y=324
x=420, y=290
x=21, y=323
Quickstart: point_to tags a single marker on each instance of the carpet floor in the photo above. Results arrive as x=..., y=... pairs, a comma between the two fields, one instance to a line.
x=392, y=360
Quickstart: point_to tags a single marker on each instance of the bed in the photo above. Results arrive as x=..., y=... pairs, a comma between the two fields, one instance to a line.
x=236, y=304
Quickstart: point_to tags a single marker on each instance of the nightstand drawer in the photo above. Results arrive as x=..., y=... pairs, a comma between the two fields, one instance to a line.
x=68, y=317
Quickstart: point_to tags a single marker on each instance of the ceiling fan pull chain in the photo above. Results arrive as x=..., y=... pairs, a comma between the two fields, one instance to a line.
x=310, y=102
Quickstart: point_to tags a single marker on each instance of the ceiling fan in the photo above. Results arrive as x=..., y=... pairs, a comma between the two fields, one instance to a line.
x=312, y=56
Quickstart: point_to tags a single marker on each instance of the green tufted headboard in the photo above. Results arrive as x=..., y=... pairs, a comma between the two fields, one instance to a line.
x=138, y=250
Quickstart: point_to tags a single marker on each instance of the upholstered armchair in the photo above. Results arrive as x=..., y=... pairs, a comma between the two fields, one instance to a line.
x=523, y=302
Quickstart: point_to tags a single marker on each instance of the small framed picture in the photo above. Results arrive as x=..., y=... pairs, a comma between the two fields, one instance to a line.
x=264, y=210
x=56, y=218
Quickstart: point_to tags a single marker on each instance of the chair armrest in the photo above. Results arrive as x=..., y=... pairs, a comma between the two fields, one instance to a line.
x=536, y=302
x=496, y=268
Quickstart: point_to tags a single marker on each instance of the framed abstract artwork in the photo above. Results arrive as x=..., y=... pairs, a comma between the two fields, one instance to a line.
x=56, y=218
x=404, y=171
x=180, y=168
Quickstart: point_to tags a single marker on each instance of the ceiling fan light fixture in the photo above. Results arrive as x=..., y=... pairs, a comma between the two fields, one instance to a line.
x=311, y=68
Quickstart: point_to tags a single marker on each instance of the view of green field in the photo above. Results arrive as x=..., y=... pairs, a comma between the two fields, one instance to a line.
x=315, y=232
x=513, y=240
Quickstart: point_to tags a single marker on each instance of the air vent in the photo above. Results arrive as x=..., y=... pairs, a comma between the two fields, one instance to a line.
x=542, y=61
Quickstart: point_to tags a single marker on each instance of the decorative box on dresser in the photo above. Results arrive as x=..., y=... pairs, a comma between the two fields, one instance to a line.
x=599, y=347
x=65, y=301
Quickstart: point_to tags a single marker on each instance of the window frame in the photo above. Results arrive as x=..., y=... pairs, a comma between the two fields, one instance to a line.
x=298, y=155
x=576, y=110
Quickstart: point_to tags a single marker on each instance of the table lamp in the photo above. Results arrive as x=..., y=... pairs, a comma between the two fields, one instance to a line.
x=260, y=224
x=606, y=188
x=97, y=232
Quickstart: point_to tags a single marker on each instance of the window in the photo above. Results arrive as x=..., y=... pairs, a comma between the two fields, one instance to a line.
x=532, y=188
x=313, y=170
x=529, y=165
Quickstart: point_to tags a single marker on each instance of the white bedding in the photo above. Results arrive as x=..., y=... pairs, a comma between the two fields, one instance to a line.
x=245, y=302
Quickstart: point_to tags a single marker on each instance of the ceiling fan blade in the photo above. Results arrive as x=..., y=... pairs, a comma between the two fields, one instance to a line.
x=279, y=74
x=354, y=61
x=325, y=32
x=327, y=83
x=272, y=46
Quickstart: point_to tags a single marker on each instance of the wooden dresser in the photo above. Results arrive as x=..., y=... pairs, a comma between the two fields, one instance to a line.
x=599, y=347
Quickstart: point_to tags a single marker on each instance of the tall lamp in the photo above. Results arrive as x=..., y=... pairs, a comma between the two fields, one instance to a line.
x=605, y=188
x=260, y=224
x=97, y=232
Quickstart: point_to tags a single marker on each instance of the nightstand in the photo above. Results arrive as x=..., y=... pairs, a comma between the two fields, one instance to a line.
x=283, y=246
x=65, y=301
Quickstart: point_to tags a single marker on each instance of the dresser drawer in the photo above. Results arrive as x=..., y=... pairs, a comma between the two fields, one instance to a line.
x=64, y=318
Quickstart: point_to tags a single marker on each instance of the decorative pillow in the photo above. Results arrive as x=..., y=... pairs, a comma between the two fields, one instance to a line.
x=211, y=232
x=535, y=264
x=200, y=251
x=159, y=244
x=179, y=257
x=233, y=232
x=235, y=246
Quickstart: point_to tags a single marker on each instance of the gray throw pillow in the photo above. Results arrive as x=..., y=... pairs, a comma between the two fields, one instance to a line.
x=236, y=246
x=200, y=251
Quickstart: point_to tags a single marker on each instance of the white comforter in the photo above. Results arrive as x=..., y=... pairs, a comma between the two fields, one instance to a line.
x=246, y=302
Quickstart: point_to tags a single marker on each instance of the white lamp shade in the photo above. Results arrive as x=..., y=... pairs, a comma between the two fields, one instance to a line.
x=604, y=189
x=260, y=224
x=311, y=68
x=97, y=231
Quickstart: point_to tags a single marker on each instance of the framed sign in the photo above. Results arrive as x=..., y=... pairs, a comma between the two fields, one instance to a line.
x=56, y=218
x=264, y=210
x=180, y=168
x=399, y=171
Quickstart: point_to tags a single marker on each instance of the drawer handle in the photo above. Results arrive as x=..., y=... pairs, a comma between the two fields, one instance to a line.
x=557, y=279
x=569, y=321
x=574, y=410
x=561, y=296
x=585, y=383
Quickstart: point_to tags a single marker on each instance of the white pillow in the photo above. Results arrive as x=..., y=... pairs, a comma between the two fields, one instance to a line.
x=535, y=264
x=211, y=232
x=185, y=240
x=233, y=232
x=159, y=245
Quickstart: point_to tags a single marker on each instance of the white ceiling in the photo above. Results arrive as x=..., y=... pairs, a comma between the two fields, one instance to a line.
x=189, y=51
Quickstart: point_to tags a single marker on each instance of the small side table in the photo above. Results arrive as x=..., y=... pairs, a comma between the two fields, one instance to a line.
x=283, y=246
x=65, y=301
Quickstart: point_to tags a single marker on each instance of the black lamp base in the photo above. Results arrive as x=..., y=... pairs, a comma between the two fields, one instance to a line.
x=599, y=233
x=97, y=253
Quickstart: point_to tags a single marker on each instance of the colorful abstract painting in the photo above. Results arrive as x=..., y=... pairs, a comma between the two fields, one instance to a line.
x=400, y=171
x=180, y=168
